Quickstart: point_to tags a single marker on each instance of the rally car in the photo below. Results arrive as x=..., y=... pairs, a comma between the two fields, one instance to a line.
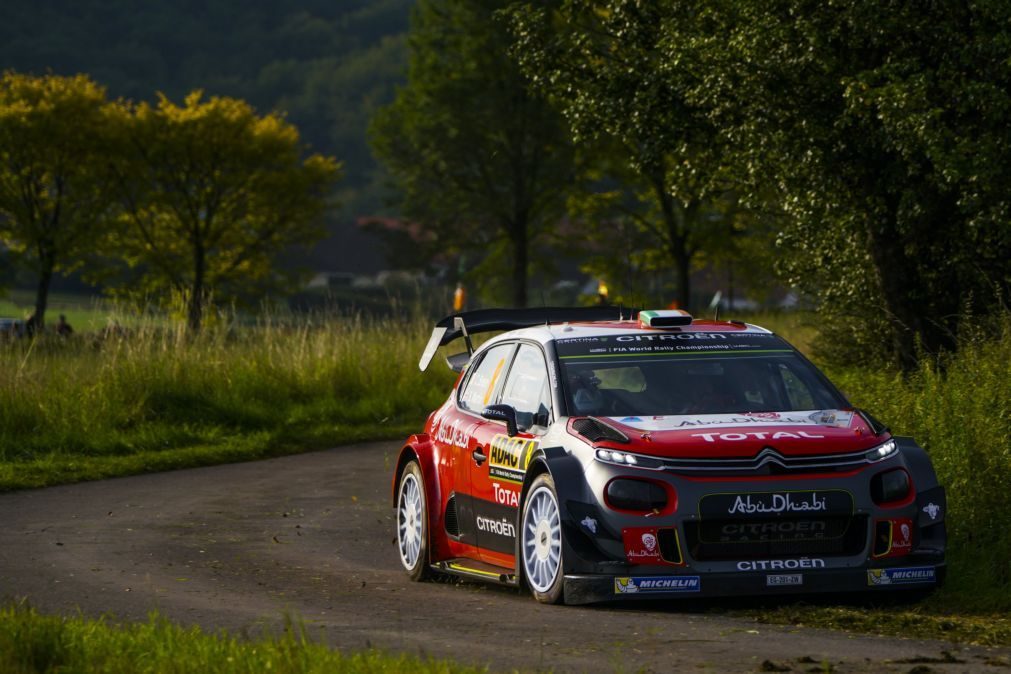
x=599, y=453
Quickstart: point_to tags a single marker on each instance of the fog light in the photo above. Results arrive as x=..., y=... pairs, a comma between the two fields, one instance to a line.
x=636, y=495
x=890, y=486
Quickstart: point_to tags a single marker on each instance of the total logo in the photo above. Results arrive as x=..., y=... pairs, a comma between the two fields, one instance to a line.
x=502, y=527
x=781, y=564
x=760, y=435
x=506, y=496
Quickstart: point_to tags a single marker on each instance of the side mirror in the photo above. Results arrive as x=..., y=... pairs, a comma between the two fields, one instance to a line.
x=506, y=413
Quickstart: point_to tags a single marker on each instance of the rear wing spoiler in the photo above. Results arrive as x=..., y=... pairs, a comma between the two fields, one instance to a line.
x=469, y=323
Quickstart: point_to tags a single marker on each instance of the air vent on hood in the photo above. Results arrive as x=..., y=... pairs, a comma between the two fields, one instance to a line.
x=595, y=430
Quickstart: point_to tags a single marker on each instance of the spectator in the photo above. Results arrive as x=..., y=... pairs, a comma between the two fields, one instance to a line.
x=63, y=328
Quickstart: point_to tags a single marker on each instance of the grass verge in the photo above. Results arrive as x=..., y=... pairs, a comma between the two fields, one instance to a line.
x=35, y=644
x=149, y=398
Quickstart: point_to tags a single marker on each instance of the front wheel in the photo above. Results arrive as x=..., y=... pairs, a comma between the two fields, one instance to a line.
x=412, y=522
x=541, y=541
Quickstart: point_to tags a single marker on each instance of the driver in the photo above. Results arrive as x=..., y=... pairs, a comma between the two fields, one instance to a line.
x=586, y=396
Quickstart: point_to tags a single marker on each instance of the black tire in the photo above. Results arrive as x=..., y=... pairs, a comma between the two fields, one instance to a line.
x=540, y=552
x=412, y=522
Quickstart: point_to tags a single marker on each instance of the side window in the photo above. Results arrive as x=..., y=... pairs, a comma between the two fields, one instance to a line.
x=479, y=389
x=526, y=388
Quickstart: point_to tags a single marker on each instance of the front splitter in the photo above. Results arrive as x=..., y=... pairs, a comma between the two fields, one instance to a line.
x=588, y=589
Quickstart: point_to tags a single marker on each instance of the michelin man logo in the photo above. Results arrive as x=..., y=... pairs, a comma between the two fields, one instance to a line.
x=932, y=510
x=878, y=577
x=624, y=586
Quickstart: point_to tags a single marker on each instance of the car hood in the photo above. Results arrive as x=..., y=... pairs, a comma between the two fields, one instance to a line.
x=811, y=432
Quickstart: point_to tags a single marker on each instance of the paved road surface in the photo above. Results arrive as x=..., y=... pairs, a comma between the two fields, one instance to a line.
x=237, y=546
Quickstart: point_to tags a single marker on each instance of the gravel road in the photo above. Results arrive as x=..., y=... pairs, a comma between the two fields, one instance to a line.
x=239, y=546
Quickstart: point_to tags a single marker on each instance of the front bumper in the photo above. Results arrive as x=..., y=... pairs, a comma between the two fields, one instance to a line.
x=911, y=575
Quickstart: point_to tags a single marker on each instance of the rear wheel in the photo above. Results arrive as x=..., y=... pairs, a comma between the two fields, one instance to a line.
x=541, y=541
x=412, y=522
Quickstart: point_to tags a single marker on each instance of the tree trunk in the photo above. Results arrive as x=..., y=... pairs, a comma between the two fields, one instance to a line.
x=195, y=308
x=47, y=262
x=520, y=239
x=898, y=282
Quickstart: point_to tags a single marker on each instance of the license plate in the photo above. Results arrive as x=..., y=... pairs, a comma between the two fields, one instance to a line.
x=777, y=580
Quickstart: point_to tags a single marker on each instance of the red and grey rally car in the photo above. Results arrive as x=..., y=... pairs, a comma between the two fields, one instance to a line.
x=598, y=453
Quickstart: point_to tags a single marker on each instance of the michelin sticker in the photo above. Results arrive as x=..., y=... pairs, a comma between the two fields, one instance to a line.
x=912, y=574
x=651, y=584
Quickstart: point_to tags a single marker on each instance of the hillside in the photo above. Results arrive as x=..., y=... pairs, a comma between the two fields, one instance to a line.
x=326, y=64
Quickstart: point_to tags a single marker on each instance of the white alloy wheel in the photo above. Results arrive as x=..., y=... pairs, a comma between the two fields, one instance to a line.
x=412, y=529
x=541, y=545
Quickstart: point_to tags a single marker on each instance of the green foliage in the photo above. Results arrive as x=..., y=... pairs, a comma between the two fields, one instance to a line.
x=959, y=410
x=210, y=192
x=661, y=190
x=54, y=185
x=883, y=129
x=31, y=643
x=327, y=64
x=148, y=398
x=479, y=157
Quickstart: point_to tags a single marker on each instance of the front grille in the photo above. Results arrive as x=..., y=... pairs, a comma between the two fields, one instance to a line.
x=718, y=540
x=768, y=462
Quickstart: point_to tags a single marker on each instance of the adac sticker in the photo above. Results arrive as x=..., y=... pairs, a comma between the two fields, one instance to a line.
x=903, y=576
x=510, y=457
x=657, y=584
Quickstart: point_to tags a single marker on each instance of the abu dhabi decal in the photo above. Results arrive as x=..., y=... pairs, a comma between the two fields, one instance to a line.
x=900, y=537
x=903, y=576
x=510, y=457
x=758, y=504
x=451, y=434
x=657, y=584
x=677, y=422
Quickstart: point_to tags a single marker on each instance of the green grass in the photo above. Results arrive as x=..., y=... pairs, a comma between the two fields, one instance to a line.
x=154, y=399
x=35, y=644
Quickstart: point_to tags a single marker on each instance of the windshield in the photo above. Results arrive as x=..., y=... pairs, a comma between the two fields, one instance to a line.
x=663, y=374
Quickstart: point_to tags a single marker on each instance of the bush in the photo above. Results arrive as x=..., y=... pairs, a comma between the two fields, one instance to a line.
x=958, y=407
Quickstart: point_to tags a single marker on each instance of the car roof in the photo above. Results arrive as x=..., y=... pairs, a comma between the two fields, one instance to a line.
x=552, y=332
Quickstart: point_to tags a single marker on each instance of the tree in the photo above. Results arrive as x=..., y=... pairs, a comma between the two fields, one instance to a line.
x=210, y=192
x=54, y=182
x=478, y=156
x=884, y=127
x=665, y=174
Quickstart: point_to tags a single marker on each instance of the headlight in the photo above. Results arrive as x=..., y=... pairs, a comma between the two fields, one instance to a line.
x=882, y=452
x=619, y=458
